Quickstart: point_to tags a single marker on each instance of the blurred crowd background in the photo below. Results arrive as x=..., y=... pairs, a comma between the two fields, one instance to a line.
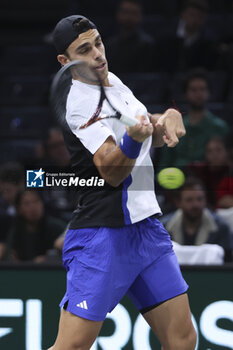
x=171, y=53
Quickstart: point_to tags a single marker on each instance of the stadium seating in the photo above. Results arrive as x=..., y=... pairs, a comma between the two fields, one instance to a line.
x=21, y=149
x=24, y=90
x=23, y=120
x=217, y=85
x=149, y=88
x=28, y=62
x=34, y=59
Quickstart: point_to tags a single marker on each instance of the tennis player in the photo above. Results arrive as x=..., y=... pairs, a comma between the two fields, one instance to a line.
x=115, y=245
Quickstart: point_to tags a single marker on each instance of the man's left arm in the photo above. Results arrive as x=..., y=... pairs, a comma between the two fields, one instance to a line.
x=168, y=128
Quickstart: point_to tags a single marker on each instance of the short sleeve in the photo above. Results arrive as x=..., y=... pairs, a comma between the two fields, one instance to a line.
x=81, y=104
x=93, y=136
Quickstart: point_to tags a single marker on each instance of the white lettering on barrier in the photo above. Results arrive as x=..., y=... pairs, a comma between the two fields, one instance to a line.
x=141, y=333
x=123, y=325
x=10, y=308
x=208, y=323
x=33, y=324
x=14, y=308
x=121, y=336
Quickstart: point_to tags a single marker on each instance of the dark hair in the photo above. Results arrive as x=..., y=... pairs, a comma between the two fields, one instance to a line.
x=218, y=139
x=66, y=54
x=20, y=195
x=201, y=5
x=135, y=2
x=12, y=172
x=190, y=183
x=51, y=130
x=17, y=240
x=198, y=73
x=82, y=25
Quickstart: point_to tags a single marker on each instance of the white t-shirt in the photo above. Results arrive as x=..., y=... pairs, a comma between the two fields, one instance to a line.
x=135, y=198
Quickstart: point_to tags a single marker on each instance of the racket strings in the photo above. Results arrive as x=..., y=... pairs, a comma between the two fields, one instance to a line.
x=95, y=116
x=61, y=87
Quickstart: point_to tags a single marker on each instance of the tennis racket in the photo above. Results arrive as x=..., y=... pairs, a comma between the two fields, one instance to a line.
x=60, y=88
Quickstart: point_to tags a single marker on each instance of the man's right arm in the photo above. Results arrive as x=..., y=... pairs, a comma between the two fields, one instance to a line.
x=114, y=162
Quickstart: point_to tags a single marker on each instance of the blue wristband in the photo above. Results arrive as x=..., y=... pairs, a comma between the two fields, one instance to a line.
x=130, y=147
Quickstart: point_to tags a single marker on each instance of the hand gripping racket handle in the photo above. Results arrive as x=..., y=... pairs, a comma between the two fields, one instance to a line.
x=129, y=121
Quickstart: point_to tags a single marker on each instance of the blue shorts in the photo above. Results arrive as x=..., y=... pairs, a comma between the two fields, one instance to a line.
x=105, y=263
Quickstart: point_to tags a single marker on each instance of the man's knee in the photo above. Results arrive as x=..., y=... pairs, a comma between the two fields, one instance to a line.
x=191, y=339
x=185, y=341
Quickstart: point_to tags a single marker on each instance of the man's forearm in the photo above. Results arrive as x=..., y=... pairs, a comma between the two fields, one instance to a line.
x=116, y=167
x=113, y=165
x=115, y=162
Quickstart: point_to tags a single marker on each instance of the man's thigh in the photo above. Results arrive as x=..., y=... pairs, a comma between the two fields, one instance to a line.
x=160, y=281
x=76, y=332
x=171, y=320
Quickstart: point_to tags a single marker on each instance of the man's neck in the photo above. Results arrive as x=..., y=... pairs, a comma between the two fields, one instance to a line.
x=191, y=33
x=90, y=82
x=126, y=33
x=195, y=116
x=191, y=226
x=32, y=226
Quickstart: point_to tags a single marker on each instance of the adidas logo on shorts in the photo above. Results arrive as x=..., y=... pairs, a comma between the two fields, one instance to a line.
x=83, y=305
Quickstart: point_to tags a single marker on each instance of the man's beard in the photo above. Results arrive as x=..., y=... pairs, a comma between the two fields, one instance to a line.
x=193, y=217
x=197, y=108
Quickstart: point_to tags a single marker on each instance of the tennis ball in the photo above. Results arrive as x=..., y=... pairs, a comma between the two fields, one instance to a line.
x=171, y=178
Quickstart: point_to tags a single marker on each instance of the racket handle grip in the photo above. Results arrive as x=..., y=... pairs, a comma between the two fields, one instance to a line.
x=129, y=121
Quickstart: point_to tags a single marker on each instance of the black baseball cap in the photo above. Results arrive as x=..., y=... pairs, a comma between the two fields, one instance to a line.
x=67, y=30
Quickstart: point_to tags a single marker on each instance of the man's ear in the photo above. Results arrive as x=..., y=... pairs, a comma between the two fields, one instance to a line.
x=63, y=59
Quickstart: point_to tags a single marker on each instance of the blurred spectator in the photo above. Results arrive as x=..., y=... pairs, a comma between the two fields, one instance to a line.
x=229, y=146
x=131, y=50
x=225, y=47
x=2, y=250
x=213, y=169
x=186, y=45
x=194, y=224
x=200, y=124
x=59, y=242
x=5, y=224
x=12, y=181
x=53, y=151
x=224, y=191
x=54, y=157
x=33, y=232
x=210, y=172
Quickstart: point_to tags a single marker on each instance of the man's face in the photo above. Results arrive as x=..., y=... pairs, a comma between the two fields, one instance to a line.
x=57, y=150
x=129, y=15
x=31, y=207
x=197, y=93
x=192, y=202
x=9, y=191
x=89, y=48
x=194, y=19
x=216, y=154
